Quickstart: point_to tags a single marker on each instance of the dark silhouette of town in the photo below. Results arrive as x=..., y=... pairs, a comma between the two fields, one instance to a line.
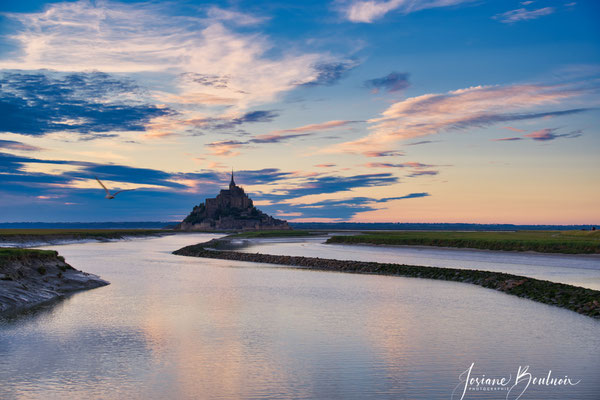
x=231, y=209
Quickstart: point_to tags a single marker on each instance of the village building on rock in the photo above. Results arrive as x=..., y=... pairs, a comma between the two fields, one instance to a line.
x=232, y=209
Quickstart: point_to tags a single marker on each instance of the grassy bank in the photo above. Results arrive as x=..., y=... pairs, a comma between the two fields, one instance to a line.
x=43, y=235
x=578, y=299
x=568, y=242
x=11, y=254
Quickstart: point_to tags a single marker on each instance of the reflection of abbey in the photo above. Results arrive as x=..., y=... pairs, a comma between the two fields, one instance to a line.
x=231, y=209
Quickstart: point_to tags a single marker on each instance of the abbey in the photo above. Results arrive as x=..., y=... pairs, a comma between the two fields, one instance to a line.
x=231, y=209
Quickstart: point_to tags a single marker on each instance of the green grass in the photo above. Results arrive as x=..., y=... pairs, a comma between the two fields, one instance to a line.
x=569, y=242
x=8, y=255
x=270, y=234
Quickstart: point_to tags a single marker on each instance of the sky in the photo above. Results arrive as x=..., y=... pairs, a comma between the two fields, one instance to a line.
x=475, y=111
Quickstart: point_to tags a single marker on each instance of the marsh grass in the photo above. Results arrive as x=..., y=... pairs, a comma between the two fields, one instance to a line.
x=568, y=242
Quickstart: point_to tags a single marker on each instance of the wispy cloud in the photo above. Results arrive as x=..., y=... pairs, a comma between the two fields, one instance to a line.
x=325, y=165
x=324, y=126
x=393, y=82
x=144, y=38
x=420, y=142
x=40, y=103
x=226, y=148
x=550, y=134
x=343, y=209
x=14, y=145
x=477, y=106
x=422, y=173
x=384, y=153
x=507, y=139
x=330, y=73
x=410, y=164
x=370, y=10
x=543, y=135
x=522, y=14
x=510, y=128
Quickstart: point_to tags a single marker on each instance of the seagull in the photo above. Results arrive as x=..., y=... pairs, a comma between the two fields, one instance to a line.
x=108, y=195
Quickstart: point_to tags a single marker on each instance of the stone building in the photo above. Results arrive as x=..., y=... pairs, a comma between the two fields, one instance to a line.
x=232, y=209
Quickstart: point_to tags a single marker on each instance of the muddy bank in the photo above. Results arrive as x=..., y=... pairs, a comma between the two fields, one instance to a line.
x=31, y=277
x=578, y=299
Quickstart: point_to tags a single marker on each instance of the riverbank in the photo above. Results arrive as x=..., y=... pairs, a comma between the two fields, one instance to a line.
x=38, y=237
x=578, y=299
x=32, y=277
x=565, y=242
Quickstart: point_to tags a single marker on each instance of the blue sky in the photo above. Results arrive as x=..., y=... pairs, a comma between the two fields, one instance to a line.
x=347, y=110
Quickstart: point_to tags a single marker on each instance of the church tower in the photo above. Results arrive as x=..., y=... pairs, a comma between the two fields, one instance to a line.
x=232, y=183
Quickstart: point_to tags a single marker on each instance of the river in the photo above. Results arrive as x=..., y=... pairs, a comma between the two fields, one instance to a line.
x=189, y=328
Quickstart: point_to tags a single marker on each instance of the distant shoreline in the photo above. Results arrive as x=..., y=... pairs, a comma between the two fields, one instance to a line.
x=41, y=237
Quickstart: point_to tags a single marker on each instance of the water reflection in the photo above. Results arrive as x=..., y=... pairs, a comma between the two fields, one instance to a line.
x=179, y=327
x=578, y=270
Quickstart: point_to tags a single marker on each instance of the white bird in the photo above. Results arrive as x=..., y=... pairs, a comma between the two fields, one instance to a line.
x=108, y=195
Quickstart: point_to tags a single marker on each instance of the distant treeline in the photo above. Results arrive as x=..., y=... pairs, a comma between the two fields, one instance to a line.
x=86, y=225
x=391, y=226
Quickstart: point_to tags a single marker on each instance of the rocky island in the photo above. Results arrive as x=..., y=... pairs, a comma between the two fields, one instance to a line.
x=232, y=209
x=32, y=277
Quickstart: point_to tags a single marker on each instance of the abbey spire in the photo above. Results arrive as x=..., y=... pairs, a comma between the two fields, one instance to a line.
x=232, y=183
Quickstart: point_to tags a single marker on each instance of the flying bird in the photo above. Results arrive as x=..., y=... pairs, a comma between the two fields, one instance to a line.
x=108, y=195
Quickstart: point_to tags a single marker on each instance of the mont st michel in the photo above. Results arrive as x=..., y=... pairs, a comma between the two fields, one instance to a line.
x=231, y=209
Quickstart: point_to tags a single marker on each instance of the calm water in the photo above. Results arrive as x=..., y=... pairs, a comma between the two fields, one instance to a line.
x=579, y=270
x=179, y=327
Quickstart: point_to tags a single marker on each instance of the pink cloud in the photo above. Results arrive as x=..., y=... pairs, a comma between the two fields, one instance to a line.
x=315, y=127
x=507, y=139
x=325, y=165
x=459, y=109
x=510, y=128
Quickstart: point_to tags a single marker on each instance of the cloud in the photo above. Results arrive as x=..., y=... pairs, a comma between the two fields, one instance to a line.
x=507, y=139
x=477, y=106
x=328, y=184
x=327, y=74
x=339, y=208
x=13, y=145
x=160, y=43
x=41, y=103
x=393, y=82
x=411, y=164
x=226, y=147
x=370, y=10
x=522, y=14
x=549, y=134
x=276, y=138
x=235, y=17
x=421, y=173
x=421, y=142
x=510, y=128
x=316, y=127
x=543, y=135
x=325, y=165
x=221, y=124
x=384, y=153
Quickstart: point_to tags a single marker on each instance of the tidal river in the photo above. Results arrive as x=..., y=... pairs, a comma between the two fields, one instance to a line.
x=173, y=327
